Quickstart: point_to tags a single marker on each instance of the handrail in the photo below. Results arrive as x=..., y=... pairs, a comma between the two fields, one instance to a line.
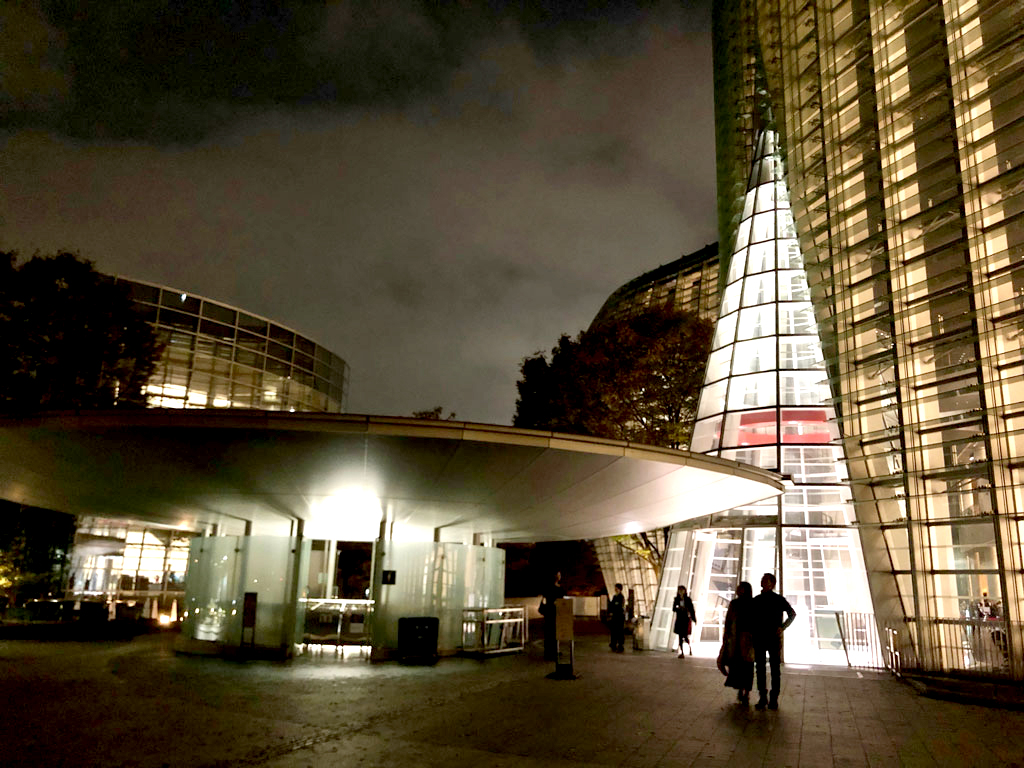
x=494, y=630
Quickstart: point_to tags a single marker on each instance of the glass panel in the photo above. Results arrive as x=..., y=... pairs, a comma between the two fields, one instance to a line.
x=797, y=318
x=180, y=320
x=180, y=301
x=281, y=335
x=254, y=324
x=752, y=391
x=718, y=364
x=754, y=356
x=725, y=331
x=810, y=464
x=756, y=322
x=762, y=257
x=711, y=397
x=731, y=298
x=759, y=289
x=801, y=352
x=751, y=428
x=146, y=293
x=706, y=435
x=803, y=388
x=762, y=228
x=808, y=425
x=218, y=313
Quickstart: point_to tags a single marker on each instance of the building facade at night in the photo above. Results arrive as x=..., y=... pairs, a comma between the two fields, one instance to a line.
x=214, y=356
x=689, y=283
x=219, y=356
x=901, y=132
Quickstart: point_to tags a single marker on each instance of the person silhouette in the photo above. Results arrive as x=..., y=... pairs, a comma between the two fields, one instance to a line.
x=768, y=608
x=682, y=607
x=617, y=620
x=547, y=610
x=737, y=654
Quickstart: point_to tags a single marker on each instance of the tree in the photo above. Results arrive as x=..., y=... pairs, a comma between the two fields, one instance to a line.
x=635, y=378
x=70, y=337
x=435, y=414
x=34, y=548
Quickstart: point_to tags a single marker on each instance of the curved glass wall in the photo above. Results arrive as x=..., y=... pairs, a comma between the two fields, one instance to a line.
x=217, y=356
x=767, y=402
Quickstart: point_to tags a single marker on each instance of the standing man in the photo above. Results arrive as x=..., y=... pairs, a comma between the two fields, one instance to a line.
x=617, y=620
x=769, y=624
x=551, y=595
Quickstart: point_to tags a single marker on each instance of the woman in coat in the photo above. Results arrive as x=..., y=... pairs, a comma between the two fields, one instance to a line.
x=736, y=658
x=682, y=607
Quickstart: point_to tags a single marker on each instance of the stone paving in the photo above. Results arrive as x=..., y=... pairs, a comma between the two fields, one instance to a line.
x=138, y=704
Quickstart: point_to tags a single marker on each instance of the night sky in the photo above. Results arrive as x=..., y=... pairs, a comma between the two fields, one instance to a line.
x=431, y=190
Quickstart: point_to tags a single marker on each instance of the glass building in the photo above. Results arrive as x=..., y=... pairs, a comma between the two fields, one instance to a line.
x=218, y=356
x=902, y=130
x=689, y=283
x=214, y=356
x=766, y=402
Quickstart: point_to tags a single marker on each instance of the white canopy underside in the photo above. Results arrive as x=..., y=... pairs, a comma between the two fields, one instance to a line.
x=192, y=469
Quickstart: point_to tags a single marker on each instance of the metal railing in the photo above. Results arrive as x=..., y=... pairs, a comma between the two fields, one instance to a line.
x=336, y=621
x=859, y=636
x=972, y=647
x=494, y=630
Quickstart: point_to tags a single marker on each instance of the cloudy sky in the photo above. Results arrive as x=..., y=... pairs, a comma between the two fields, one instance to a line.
x=431, y=190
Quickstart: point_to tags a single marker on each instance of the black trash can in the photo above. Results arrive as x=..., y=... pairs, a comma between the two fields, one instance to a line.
x=417, y=639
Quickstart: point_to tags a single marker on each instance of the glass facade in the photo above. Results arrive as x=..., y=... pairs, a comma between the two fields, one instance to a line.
x=767, y=402
x=902, y=129
x=217, y=356
x=129, y=564
x=689, y=283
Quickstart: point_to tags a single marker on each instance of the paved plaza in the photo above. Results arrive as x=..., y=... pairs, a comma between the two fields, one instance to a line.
x=138, y=704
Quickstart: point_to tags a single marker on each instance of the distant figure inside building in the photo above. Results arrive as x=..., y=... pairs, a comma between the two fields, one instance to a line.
x=737, y=655
x=553, y=593
x=617, y=620
x=682, y=607
x=769, y=624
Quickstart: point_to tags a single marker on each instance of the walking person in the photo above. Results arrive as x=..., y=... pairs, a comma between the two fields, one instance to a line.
x=769, y=624
x=736, y=658
x=617, y=620
x=682, y=607
x=547, y=610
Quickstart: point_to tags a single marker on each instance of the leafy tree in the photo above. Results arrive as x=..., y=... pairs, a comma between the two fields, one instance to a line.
x=34, y=548
x=436, y=413
x=71, y=337
x=635, y=378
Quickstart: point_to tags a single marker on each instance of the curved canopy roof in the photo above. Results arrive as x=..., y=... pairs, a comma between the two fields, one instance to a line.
x=191, y=469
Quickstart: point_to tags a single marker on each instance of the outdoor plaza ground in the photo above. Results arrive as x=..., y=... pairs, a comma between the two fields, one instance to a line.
x=137, y=703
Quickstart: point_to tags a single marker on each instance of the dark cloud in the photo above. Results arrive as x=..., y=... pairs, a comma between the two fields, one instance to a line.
x=432, y=240
x=174, y=70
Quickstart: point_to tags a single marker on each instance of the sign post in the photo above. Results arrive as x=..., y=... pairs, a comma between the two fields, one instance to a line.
x=564, y=638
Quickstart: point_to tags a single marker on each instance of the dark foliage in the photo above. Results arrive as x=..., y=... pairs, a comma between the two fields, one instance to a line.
x=636, y=378
x=70, y=337
x=34, y=547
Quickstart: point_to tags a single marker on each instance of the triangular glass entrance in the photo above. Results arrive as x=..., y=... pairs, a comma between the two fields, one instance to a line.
x=766, y=401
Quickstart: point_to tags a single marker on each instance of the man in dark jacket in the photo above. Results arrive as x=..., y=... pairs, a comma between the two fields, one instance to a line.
x=617, y=620
x=769, y=624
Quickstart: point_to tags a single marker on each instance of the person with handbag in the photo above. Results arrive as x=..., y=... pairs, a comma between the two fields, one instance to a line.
x=682, y=607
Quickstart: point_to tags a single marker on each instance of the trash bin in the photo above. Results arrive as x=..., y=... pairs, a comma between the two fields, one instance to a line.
x=417, y=639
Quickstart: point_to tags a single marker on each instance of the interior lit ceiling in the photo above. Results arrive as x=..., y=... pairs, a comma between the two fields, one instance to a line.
x=198, y=468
